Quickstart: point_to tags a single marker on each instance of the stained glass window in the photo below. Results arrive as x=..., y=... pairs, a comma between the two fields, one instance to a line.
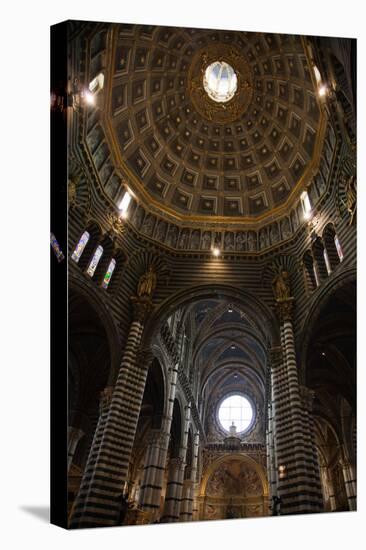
x=327, y=262
x=56, y=248
x=238, y=410
x=220, y=81
x=339, y=248
x=108, y=275
x=124, y=204
x=94, y=261
x=80, y=246
x=306, y=205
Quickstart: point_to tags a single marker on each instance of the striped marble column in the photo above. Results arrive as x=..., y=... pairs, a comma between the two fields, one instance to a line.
x=350, y=484
x=73, y=437
x=174, y=487
x=104, y=403
x=99, y=498
x=155, y=462
x=313, y=468
x=173, y=490
x=186, y=512
x=271, y=455
x=298, y=471
x=278, y=401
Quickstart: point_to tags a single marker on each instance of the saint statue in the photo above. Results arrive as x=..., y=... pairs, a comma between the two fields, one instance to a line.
x=281, y=286
x=351, y=196
x=147, y=283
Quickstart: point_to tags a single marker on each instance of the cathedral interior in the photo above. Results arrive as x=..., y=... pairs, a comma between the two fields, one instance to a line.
x=211, y=274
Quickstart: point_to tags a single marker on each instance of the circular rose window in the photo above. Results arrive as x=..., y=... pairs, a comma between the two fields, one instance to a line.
x=220, y=81
x=237, y=410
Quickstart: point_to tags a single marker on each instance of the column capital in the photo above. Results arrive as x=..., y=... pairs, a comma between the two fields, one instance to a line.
x=285, y=309
x=142, y=307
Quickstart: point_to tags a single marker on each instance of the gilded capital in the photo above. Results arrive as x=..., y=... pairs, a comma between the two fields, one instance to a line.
x=142, y=307
x=285, y=309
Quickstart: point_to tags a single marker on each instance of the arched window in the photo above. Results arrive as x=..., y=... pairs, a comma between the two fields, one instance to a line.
x=310, y=272
x=332, y=245
x=79, y=249
x=109, y=273
x=95, y=260
x=306, y=205
x=318, y=253
x=339, y=248
x=94, y=232
x=327, y=262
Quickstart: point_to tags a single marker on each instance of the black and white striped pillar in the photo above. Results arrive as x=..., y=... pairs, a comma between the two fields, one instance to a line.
x=297, y=467
x=155, y=461
x=174, y=487
x=349, y=475
x=99, y=499
x=189, y=485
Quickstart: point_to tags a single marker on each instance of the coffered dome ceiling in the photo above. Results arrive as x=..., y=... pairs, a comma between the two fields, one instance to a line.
x=199, y=162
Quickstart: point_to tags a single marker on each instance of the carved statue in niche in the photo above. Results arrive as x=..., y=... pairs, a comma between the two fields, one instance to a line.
x=100, y=156
x=351, y=196
x=320, y=183
x=294, y=220
x=172, y=236
x=241, y=239
x=148, y=225
x=281, y=285
x=139, y=216
x=252, y=241
x=229, y=241
x=285, y=228
x=195, y=239
x=328, y=152
x=111, y=187
x=263, y=239
x=161, y=230
x=274, y=234
x=206, y=240
x=183, y=239
x=93, y=139
x=72, y=191
x=313, y=193
x=147, y=283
